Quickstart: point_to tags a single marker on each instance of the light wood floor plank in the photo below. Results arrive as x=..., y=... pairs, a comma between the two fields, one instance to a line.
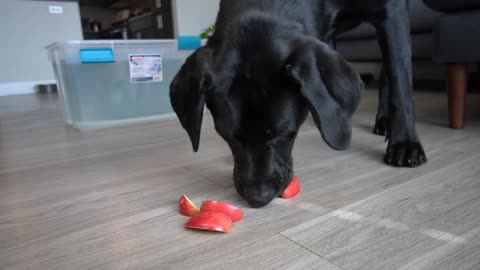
x=107, y=199
x=402, y=223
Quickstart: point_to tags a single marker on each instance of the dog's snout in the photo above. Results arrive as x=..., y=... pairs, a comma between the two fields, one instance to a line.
x=259, y=195
x=258, y=203
x=258, y=191
x=259, y=185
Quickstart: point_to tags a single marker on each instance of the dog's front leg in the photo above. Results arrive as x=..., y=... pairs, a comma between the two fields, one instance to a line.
x=404, y=147
x=381, y=120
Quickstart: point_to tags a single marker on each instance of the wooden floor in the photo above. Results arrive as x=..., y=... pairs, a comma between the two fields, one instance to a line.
x=107, y=199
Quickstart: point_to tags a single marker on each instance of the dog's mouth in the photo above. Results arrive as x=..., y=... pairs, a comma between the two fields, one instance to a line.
x=260, y=192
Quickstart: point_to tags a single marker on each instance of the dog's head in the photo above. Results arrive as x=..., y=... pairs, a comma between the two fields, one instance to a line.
x=259, y=90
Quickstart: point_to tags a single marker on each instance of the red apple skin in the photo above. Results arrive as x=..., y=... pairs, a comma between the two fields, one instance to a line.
x=292, y=190
x=210, y=221
x=186, y=207
x=233, y=212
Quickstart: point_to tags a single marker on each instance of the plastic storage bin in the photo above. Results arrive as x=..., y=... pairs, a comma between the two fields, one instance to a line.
x=109, y=83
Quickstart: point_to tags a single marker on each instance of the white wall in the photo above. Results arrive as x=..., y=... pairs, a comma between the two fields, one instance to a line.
x=26, y=27
x=191, y=17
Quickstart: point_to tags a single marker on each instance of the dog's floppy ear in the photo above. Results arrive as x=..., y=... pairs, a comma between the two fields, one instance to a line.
x=188, y=92
x=331, y=87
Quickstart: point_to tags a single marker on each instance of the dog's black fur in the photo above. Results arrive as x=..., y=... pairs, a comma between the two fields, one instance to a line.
x=270, y=62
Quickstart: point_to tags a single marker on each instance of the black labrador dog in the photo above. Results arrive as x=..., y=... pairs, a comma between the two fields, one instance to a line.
x=270, y=62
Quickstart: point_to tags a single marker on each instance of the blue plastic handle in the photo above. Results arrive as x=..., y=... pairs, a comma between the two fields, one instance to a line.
x=189, y=42
x=97, y=55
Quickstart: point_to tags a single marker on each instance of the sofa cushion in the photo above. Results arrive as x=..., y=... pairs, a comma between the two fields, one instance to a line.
x=456, y=38
x=421, y=21
x=453, y=5
x=367, y=50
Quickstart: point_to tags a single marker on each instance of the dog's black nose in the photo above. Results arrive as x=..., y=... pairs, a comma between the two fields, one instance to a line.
x=258, y=203
x=259, y=196
x=260, y=186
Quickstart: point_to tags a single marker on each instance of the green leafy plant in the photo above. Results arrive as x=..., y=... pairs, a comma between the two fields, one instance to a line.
x=208, y=32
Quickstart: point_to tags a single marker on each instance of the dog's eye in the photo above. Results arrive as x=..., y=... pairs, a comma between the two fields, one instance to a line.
x=287, y=136
x=268, y=133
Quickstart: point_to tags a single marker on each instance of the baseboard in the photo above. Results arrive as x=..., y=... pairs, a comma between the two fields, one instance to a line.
x=21, y=88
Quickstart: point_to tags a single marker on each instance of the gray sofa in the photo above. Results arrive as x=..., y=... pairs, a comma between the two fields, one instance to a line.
x=456, y=43
x=446, y=32
x=361, y=45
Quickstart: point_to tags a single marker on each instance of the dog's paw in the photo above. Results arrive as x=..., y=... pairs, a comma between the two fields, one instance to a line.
x=405, y=154
x=380, y=127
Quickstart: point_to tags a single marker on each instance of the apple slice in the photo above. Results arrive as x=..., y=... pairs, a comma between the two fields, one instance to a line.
x=233, y=212
x=187, y=207
x=292, y=190
x=210, y=221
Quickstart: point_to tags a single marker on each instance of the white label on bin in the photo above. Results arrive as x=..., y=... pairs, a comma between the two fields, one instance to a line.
x=55, y=9
x=145, y=68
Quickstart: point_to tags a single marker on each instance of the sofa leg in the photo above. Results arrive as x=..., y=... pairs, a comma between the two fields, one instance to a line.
x=457, y=93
